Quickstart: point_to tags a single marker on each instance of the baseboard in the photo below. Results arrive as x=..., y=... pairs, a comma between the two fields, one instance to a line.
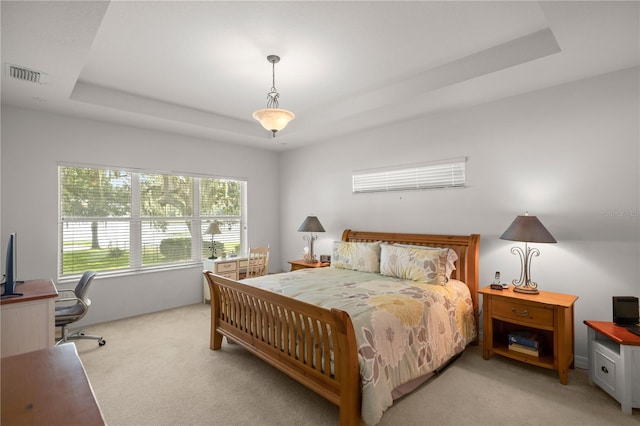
x=581, y=362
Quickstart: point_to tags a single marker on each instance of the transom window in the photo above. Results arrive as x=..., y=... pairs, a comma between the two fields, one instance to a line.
x=436, y=174
x=118, y=221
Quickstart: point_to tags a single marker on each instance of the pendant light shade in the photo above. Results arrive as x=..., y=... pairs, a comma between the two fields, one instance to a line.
x=272, y=117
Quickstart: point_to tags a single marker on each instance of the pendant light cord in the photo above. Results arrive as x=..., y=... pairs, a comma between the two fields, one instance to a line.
x=273, y=95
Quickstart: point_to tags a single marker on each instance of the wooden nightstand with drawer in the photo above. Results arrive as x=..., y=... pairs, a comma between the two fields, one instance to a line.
x=549, y=314
x=302, y=264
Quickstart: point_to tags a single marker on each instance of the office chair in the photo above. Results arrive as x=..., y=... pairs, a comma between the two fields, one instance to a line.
x=68, y=314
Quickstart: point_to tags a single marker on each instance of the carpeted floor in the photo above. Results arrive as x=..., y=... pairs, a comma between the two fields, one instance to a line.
x=157, y=369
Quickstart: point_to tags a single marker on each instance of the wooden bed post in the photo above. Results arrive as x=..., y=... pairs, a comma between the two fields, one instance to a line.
x=350, y=391
x=473, y=278
x=215, y=340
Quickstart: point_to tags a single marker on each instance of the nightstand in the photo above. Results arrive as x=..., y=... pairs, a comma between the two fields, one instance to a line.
x=614, y=362
x=302, y=264
x=550, y=314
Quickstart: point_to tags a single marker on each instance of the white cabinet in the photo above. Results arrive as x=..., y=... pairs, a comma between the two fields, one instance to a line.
x=28, y=321
x=615, y=366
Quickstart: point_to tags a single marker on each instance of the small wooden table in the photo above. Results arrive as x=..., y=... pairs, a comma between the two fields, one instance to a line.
x=614, y=362
x=549, y=313
x=302, y=264
x=47, y=386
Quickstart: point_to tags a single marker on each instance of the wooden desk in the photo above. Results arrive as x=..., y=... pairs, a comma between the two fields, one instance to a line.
x=228, y=267
x=302, y=264
x=47, y=386
x=28, y=321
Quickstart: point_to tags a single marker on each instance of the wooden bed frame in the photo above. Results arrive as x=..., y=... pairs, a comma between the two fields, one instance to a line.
x=272, y=326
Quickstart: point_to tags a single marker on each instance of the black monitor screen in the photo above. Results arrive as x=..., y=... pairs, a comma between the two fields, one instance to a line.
x=625, y=310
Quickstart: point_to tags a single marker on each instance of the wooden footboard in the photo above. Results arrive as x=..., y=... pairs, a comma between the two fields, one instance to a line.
x=273, y=327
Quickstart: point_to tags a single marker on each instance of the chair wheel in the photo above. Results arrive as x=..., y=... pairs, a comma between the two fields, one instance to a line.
x=102, y=342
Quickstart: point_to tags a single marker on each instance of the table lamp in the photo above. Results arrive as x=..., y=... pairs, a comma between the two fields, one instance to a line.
x=213, y=229
x=311, y=224
x=527, y=229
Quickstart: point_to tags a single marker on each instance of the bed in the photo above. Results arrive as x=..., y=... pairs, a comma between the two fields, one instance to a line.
x=318, y=325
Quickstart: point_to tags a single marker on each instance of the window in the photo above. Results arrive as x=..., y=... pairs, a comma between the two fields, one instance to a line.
x=121, y=221
x=440, y=174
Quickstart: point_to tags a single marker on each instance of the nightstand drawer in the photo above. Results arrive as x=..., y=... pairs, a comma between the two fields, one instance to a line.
x=534, y=315
x=222, y=267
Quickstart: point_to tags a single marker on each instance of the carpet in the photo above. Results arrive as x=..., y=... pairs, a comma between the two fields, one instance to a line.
x=157, y=369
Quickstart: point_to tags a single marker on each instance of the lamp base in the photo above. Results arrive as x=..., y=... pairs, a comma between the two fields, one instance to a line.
x=525, y=290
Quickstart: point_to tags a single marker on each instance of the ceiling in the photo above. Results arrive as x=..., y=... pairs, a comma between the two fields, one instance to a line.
x=199, y=68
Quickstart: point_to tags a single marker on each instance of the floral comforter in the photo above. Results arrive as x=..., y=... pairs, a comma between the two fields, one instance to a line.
x=404, y=329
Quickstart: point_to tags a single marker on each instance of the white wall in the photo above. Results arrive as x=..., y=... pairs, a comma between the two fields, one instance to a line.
x=34, y=142
x=569, y=155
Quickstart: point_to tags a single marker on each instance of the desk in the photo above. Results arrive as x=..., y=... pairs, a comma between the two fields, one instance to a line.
x=614, y=362
x=47, y=386
x=28, y=321
x=229, y=267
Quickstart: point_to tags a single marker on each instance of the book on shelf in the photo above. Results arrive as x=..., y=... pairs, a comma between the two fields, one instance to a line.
x=532, y=339
x=525, y=349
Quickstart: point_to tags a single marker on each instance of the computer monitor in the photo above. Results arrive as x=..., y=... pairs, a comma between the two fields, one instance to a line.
x=625, y=310
x=11, y=269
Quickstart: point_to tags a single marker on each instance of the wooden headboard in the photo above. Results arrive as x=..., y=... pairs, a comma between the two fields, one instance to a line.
x=466, y=246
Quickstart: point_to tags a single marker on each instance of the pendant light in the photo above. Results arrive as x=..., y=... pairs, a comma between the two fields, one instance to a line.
x=273, y=118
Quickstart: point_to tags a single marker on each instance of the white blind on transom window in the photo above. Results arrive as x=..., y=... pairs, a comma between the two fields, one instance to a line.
x=440, y=174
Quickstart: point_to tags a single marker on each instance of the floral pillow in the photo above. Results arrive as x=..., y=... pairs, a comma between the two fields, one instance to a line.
x=363, y=257
x=452, y=256
x=415, y=264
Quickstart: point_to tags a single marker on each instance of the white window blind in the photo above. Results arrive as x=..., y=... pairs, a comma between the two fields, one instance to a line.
x=440, y=174
x=115, y=221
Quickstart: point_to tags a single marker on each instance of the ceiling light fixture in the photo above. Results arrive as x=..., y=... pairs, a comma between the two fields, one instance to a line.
x=273, y=118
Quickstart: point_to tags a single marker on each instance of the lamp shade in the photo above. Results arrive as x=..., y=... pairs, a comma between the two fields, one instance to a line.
x=528, y=229
x=311, y=224
x=273, y=119
x=213, y=229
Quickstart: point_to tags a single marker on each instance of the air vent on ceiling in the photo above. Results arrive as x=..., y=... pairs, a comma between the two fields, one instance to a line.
x=25, y=74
